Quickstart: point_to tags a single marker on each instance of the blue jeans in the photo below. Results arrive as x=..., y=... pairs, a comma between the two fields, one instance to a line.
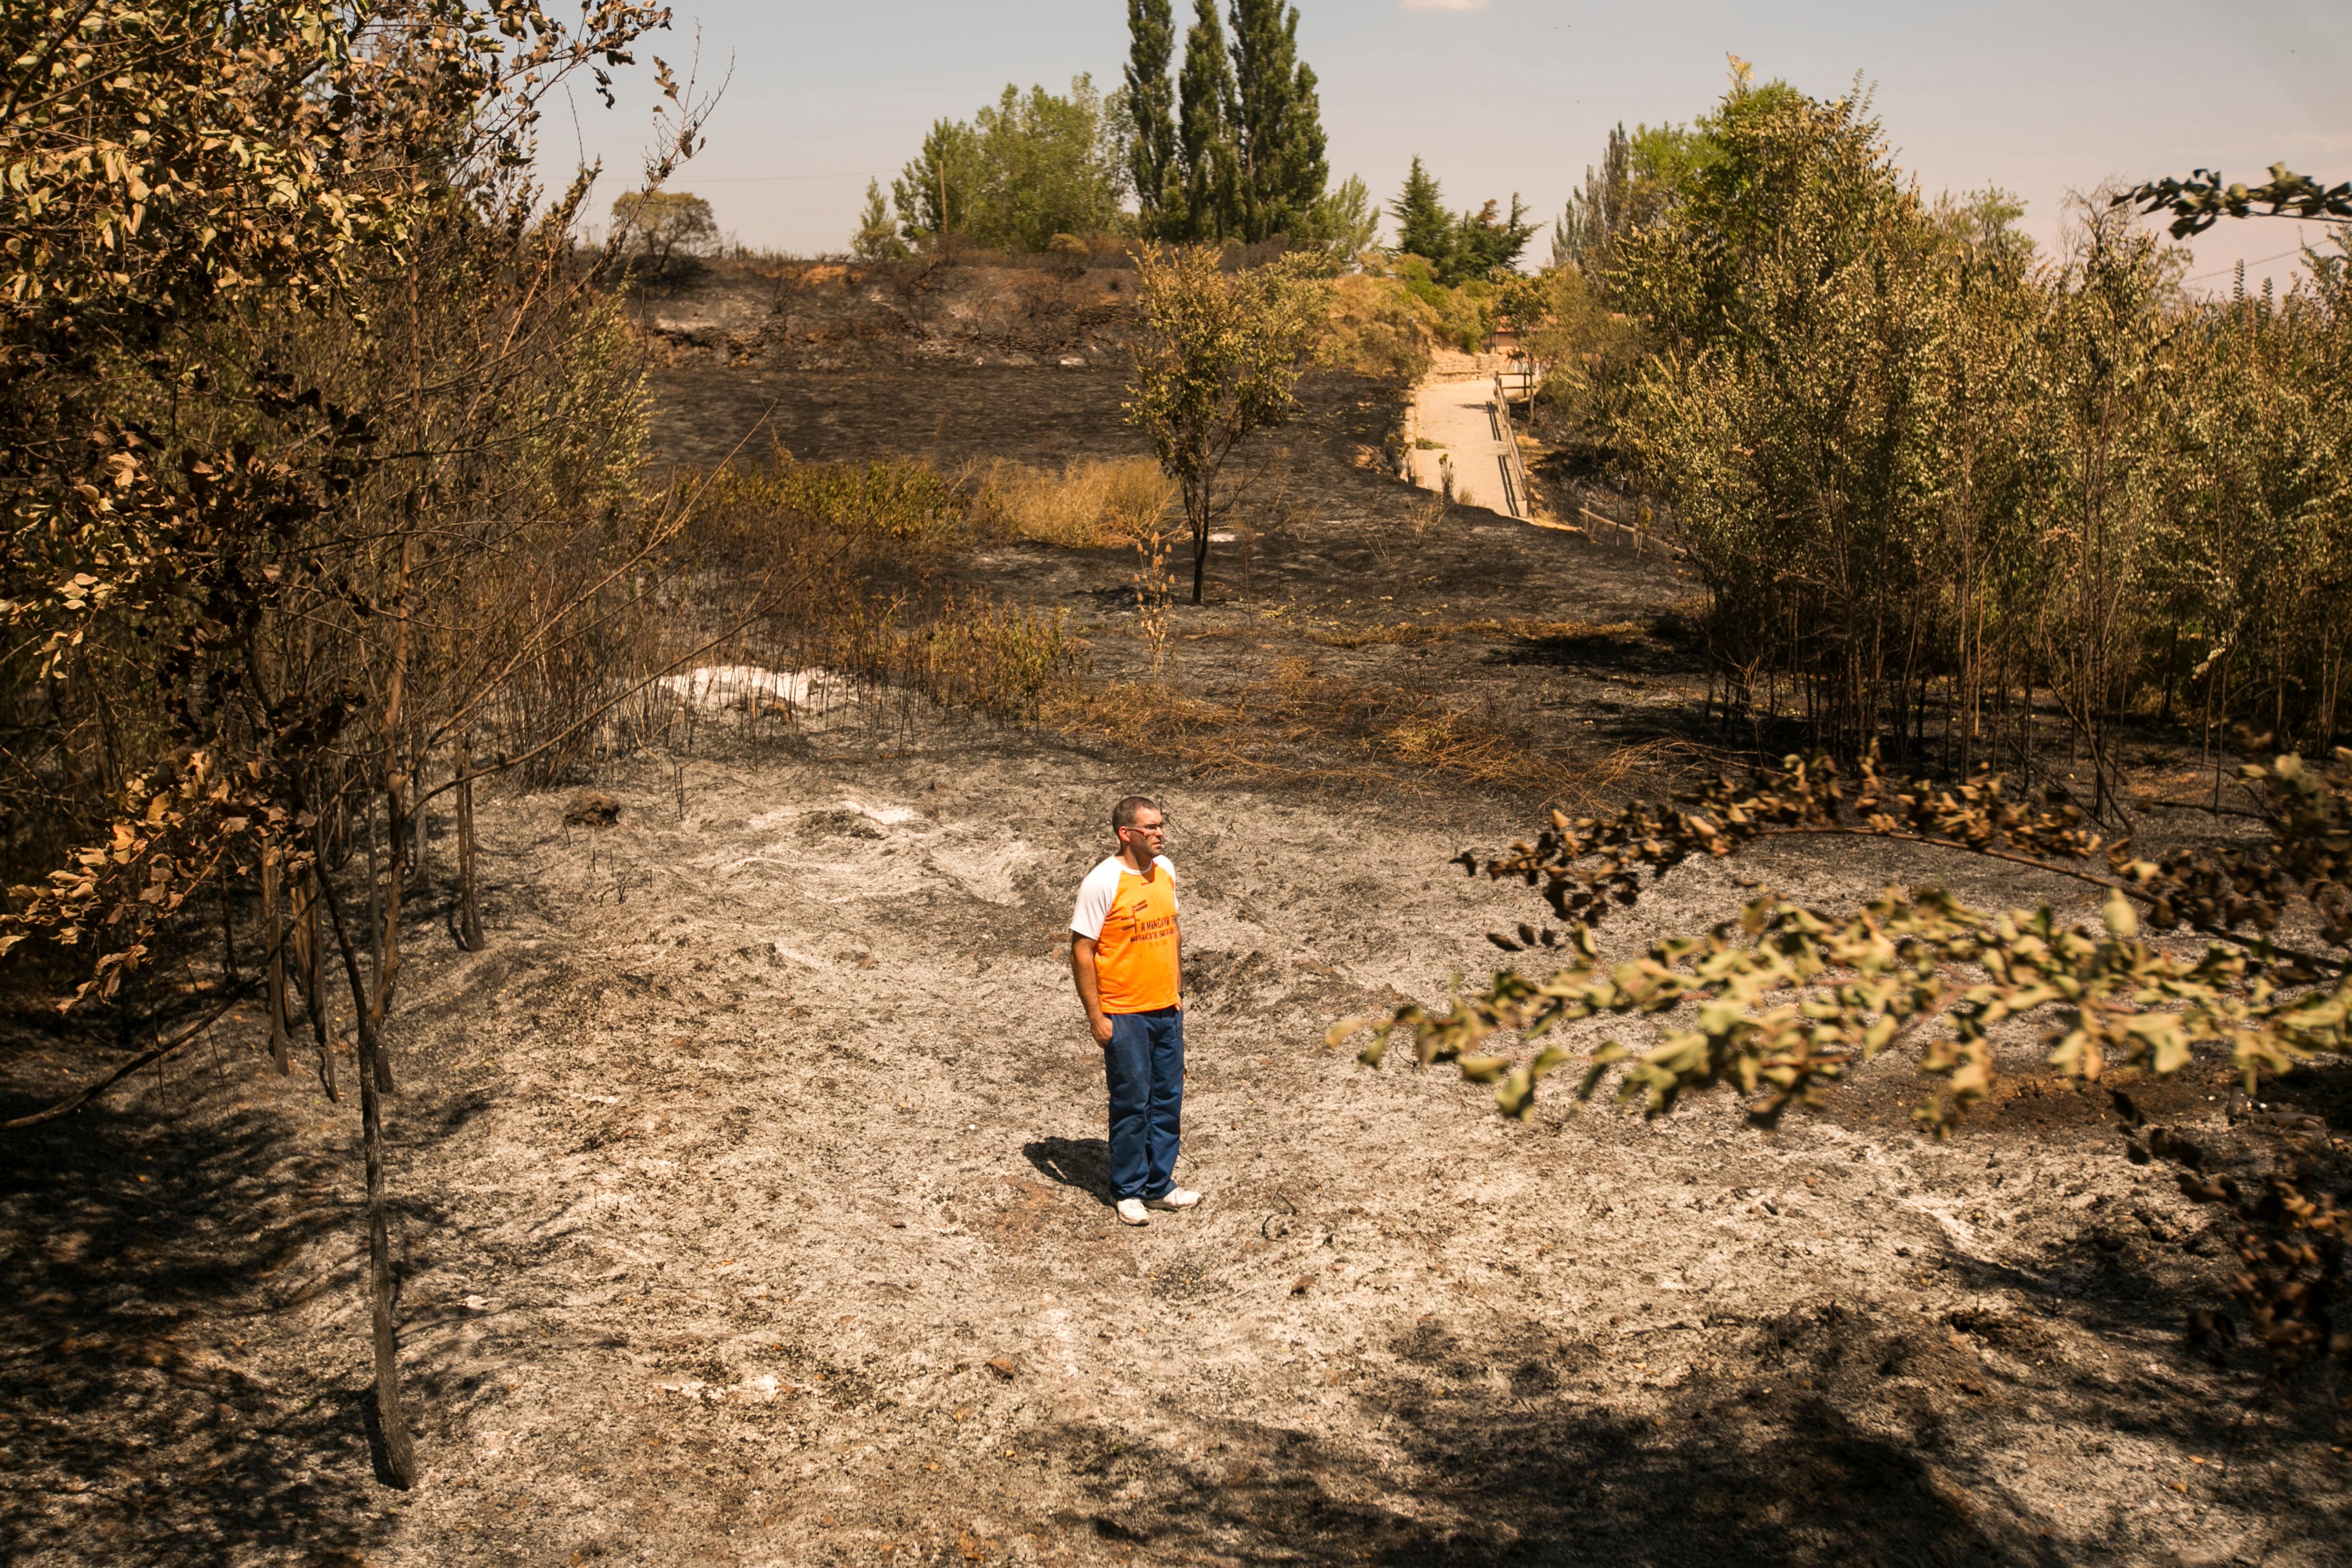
x=1145, y=1064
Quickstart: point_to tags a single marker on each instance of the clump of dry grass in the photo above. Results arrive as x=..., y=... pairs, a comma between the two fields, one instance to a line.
x=847, y=558
x=1091, y=504
x=899, y=509
x=996, y=657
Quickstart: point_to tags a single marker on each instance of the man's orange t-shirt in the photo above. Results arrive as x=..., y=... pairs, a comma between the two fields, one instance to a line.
x=1133, y=918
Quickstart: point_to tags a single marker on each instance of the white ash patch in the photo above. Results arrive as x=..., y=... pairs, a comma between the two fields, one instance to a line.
x=728, y=687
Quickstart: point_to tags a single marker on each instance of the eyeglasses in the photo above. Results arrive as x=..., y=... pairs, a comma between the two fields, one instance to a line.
x=1156, y=830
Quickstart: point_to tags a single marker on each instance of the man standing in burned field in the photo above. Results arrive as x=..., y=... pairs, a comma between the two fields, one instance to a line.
x=1125, y=956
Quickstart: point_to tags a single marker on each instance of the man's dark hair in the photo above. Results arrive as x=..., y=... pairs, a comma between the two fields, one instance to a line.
x=1123, y=814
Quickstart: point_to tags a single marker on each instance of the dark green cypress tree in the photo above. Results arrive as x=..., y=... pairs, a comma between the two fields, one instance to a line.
x=1204, y=142
x=1486, y=242
x=1151, y=105
x=1279, y=127
x=1424, y=228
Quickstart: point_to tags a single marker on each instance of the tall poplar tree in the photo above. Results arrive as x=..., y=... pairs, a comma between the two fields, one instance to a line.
x=1599, y=212
x=1207, y=111
x=1151, y=159
x=1278, y=123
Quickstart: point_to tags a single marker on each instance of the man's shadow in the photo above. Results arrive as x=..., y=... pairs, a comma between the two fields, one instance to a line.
x=1080, y=1163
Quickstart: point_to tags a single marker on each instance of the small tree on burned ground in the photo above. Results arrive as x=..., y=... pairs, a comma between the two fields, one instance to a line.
x=1220, y=361
x=666, y=233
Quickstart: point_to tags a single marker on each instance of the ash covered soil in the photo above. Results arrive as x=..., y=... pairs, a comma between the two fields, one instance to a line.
x=752, y=1209
x=751, y=1190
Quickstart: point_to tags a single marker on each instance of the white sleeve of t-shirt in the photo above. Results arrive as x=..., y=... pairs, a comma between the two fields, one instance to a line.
x=1100, y=890
x=1096, y=895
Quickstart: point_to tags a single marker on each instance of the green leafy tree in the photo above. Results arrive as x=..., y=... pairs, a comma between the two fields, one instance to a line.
x=1985, y=221
x=1153, y=156
x=1935, y=482
x=1595, y=214
x=666, y=232
x=939, y=190
x=1587, y=353
x=876, y=238
x=1277, y=123
x=1220, y=361
x=1345, y=221
x=1641, y=178
x=1024, y=169
x=1667, y=162
x=1796, y=295
x=1208, y=157
x=1051, y=164
x=1473, y=245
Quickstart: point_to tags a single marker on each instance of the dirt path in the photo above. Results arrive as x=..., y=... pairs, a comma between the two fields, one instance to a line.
x=752, y=1213
x=1458, y=415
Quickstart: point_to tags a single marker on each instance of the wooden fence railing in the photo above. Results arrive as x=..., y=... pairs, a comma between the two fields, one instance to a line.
x=1518, y=494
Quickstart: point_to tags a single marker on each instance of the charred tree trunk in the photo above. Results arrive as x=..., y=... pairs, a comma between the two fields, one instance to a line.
x=469, y=909
x=314, y=990
x=274, y=931
x=228, y=939
x=1200, y=522
x=421, y=836
x=399, y=1448
x=374, y=914
x=387, y=931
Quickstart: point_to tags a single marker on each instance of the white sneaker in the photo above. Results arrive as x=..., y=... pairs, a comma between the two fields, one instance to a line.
x=1175, y=1198
x=1131, y=1212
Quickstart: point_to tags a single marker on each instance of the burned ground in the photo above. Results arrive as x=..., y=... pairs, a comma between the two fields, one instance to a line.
x=751, y=1203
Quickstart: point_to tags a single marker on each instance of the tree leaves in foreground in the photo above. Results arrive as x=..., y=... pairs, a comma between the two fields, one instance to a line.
x=2203, y=199
x=1782, y=1002
x=1785, y=999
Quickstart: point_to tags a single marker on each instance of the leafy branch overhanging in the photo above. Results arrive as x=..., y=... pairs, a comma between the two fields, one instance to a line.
x=1785, y=999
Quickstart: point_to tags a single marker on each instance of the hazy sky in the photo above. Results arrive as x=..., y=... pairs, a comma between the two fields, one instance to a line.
x=1504, y=95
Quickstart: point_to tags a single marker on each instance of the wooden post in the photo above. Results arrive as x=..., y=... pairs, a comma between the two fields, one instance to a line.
x=274, y=933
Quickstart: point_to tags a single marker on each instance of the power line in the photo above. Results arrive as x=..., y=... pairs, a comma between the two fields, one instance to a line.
x=756, y=179
x=2262, y=261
